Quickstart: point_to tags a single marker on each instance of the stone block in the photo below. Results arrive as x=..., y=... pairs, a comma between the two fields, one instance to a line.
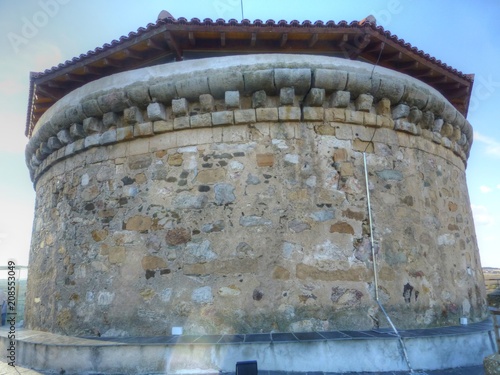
x=340, y=99
x=299, y=79
x=222, y=118
x=138, y=94
x=415, y=115
x=315, y=97
x=53, y=143
x=181, y=122
x=115, y=101
x=492, y=364
x=265, y=160
x=427, y=120
x=92, y=140
x=259, y=99
x=124, y=133
x=76, y=131
x=224, y=194
x=111, y=119
x=156, y=112
x=266, y=114
x=64, y=137
x=144, y=129
x=132, y=116
x=90, y=108
x=207, y=102
x=220, y=83
x=211, y=176
x=435, y=104
x=289, y=113
x=44, y=149
x=405, y=126
x=74, y=113
x=438, y=125
x=254, y=221
x=329, y=79
x=244, y=116
x=324, y=130
x=287, y=95
x=371, y=119
x=108, y=137
x=180, y=107
x=358, y=83
x=391, y=90
x=313, y=113
x=400, y=111
x=232, y=99
x=163, y=92
x=334, y=114
x=416, y=96
x=201, y=121
x=363, y=102
x=353, y=117
x=259, y=80
x=163, y=126
x=92, y=125
x=447, y=130
x=383, y=107
x=192, y=87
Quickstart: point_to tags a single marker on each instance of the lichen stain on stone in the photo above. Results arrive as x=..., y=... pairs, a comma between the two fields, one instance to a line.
x=407, y=291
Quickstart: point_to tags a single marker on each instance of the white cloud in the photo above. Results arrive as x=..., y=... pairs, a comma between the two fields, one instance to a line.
x=492, y=145
x=485, y=189
x=481, y=215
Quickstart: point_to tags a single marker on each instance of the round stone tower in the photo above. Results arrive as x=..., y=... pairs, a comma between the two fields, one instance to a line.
x=227, y=195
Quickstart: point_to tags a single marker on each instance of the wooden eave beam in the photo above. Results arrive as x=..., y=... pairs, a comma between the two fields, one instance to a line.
x=173, y=45
x=313, y=40
x=50, y=92
x=253, y=40
x=223, y=39
x=284, y=38
x=191, y=38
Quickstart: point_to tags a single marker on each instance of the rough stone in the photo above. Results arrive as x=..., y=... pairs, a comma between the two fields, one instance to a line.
x=342, y=227
x=156, y=111
x=363, y=102
x=228, y=81
x=298, y=226
x=144, y=129
x=163, y=126
x=259, y=80
x=202, y=295
x=313, y=113
x=200, y=121
x=299, y=79
x=111, y=119
x=163, y=91
x=207, y=102
x=265, y=160
x=232, y=99
x=180, y=107
x=92, y=125
x=190, y=88
x=289, y=113
x=287, y=95
x=259, y=99
x=400, y=111
x=186, y=200
x=224, y=193
x=340, y=99
x=177, y=236
x=266, y=114
x=244, y=116
x=315, y=97
x=181, y=123
x=330, y=79
x=222, y=118
x=132, y=116
x=139, y=223
x=254, y=221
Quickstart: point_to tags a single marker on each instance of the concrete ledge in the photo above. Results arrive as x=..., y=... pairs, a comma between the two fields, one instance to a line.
x=429, y=349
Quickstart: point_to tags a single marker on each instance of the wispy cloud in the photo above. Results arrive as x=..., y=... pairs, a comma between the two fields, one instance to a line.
x=485, y=189
x=481, y=215
x=492, y=145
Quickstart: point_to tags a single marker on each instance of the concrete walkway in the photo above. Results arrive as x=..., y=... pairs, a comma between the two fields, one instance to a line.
x=5, y=369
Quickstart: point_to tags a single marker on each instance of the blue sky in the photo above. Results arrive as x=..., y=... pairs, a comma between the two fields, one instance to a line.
x=462, y=34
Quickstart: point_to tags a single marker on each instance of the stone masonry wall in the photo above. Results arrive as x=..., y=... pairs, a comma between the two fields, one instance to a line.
x=234, y=201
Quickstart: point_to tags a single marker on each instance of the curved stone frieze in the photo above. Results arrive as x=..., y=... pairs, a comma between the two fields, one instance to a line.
x=100, y=106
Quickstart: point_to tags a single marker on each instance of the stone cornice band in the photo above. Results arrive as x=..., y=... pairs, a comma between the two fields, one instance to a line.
x=237, y=90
